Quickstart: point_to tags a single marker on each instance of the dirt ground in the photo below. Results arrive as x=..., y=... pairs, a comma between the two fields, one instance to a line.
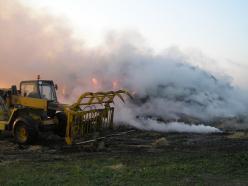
x=124, y=140
x=135, y=143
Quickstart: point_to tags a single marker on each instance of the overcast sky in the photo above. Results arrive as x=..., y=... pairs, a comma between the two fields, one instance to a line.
x=218, y=28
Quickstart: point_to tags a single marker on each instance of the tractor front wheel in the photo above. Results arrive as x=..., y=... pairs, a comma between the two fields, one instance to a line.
x=23, y=133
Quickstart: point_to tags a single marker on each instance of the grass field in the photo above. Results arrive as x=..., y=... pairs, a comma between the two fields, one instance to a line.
x=186, y=160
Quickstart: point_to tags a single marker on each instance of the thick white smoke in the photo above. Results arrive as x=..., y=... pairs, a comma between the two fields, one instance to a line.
x=165, y=85
x=127, y=117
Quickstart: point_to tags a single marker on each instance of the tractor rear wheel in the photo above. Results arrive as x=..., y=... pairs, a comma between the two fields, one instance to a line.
x=24, y=133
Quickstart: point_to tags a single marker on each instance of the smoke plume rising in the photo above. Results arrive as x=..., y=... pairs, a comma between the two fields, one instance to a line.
x=166, y=86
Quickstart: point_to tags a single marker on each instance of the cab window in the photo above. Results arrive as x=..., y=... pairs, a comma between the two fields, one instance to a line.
x=47, y=91
x=29, y=90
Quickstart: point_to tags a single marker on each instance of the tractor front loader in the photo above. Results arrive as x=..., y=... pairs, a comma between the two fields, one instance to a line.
x=34, y=108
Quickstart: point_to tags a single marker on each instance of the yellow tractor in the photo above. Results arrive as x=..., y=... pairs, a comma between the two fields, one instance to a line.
x=34, y=108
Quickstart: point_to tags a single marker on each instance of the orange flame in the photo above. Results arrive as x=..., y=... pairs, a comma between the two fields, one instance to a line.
x=94, y=82
x=115, y=84
x=64, y=91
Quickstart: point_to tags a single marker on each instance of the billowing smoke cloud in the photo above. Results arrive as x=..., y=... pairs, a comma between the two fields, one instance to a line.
x=166, y=86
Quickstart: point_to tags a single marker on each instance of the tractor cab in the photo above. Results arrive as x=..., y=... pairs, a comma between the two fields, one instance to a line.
x=41, y=89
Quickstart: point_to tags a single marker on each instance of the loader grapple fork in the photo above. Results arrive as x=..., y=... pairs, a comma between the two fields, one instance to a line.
x=92, y=112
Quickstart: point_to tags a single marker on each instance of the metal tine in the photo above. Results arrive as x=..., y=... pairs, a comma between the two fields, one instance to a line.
x=120, y=96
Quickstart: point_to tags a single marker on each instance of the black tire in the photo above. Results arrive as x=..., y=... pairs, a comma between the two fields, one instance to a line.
x=62, y=123
x=25, y=131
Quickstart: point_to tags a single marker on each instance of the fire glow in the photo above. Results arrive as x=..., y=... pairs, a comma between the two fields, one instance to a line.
x=94, y=82
x=115, y=84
